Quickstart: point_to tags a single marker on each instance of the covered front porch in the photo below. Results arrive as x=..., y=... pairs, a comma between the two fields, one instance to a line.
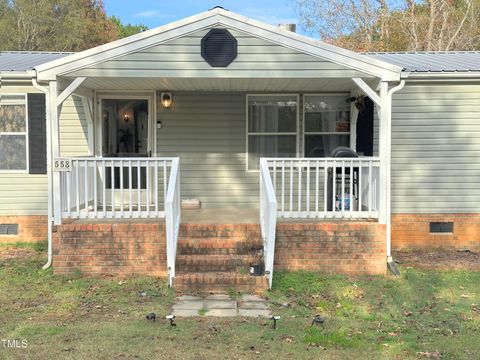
x=255, y=133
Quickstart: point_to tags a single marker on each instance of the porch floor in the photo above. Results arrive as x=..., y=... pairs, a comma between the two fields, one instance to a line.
x=215, y=216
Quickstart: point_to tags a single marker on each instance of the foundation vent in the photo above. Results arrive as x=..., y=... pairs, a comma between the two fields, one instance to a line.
x=8, y=229
x=441, y=227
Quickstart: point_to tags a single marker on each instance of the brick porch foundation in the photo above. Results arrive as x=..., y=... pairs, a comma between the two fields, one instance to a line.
x=31, y=228
x=412, y=231
x=118, y=249
x=216, y=256
x=350, y=248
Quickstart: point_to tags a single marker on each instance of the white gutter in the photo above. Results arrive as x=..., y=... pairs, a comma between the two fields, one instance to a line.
x=389, y=185
x=45, y=89
x=440, y=75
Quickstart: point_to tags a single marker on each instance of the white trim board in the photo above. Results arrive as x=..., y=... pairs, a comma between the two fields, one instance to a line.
x=219, y=18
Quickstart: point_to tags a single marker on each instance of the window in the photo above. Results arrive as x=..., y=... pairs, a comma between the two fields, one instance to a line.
x=327, y=124
x=13, y=132
x=271, y=128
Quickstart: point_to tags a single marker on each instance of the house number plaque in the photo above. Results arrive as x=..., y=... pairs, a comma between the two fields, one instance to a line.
x=62, y=165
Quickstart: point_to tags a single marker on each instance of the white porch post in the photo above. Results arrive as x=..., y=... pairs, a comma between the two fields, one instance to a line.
x=385, y=133
x=55, y=143
x=383, y=100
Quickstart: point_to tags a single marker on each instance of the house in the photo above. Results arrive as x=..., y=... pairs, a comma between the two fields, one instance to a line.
x=103, y=151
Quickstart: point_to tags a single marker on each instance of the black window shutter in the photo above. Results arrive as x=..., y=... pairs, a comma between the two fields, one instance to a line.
x=37, y=134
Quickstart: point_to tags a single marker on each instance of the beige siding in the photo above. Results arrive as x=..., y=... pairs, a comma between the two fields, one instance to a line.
x=73, y=129
x=257, y=58
x=436, y=149
x=207, y=132
x=25, y=194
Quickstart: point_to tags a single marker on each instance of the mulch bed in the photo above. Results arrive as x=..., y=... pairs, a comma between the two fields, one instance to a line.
x=439, y=259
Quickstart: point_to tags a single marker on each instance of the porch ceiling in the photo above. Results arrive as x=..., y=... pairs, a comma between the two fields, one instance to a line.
x=222, y=84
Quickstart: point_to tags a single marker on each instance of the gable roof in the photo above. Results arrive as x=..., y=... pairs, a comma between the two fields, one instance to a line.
x=212, y=18
x=27, y=60
x=432, y=61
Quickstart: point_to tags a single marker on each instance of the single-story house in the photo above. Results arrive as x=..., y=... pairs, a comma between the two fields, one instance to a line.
x=217, y=143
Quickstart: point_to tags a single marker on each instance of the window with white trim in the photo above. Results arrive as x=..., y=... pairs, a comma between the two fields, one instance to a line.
x=326, y=123
x=271, y=127
x=13, y=132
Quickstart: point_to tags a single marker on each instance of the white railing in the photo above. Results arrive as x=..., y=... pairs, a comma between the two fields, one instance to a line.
x=314, y=188
x=172, y=218
x=268, y=218
x=345, y=188
x=96, y=188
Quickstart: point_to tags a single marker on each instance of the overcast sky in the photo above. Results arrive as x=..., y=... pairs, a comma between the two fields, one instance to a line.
x=154, y=13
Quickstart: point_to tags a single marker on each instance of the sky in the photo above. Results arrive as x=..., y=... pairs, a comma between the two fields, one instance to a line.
x=154, y=13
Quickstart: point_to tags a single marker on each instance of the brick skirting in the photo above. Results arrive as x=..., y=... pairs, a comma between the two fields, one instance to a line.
x=31, y=228
x=119, y=249
x=412, y=231
x=122, y=249
x=336, y=247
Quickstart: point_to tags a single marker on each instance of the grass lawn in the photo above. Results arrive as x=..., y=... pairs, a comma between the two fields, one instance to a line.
x=422, y=314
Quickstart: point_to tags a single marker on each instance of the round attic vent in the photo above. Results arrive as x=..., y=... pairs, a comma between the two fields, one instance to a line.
x=219, y=48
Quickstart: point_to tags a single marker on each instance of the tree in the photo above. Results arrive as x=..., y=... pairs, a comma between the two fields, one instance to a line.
x=125, y=30
x=381, y=25
x=55, y=25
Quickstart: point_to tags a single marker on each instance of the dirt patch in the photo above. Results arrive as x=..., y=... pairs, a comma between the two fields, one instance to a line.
x=439, y=259
x=8, y=254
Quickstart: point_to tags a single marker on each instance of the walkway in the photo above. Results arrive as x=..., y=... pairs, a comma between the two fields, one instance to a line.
x=221, y=305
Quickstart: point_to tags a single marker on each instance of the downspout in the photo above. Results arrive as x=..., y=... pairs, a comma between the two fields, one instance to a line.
x=390, y=261
x=45, y=89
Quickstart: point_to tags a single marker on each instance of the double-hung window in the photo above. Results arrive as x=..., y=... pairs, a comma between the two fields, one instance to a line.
x=327, y=123
x=272, y=127
x=13, y=132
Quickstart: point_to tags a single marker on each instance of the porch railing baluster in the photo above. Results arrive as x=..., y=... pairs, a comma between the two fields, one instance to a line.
x=92, y=189
x=342, y=196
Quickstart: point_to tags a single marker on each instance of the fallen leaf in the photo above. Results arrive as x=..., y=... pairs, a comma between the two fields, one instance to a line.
x=430, y=355
x=407, y=313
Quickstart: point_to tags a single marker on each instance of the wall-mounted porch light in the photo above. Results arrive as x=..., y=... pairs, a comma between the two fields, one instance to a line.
x=126, y=118
x=166, y=100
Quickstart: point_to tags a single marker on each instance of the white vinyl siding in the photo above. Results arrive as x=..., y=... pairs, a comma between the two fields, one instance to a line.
x=436, y=148
x=27, y=194
x=257, y=58
x=207, y=131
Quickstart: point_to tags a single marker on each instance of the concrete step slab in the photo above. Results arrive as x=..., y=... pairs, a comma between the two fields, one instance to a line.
x=254, y=313
x=254, y=305
x=222, y=312
x=220, y=304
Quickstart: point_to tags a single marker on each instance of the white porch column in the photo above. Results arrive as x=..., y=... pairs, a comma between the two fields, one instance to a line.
x=55, y=143
x=385, y=136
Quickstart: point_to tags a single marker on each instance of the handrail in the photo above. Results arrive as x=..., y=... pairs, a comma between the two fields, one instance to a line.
x=172, y=218
x=268, y=218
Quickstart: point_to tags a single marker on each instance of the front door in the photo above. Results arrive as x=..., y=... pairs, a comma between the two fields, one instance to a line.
x=125, y=127
x=125, y=124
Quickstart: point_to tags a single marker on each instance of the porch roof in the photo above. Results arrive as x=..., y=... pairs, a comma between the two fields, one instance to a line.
x=217, y=17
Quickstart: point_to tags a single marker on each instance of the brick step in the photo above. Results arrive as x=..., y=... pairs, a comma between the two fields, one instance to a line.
x=244, y=231
x=217, y=247
x=211, y=282
x=208, y=263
